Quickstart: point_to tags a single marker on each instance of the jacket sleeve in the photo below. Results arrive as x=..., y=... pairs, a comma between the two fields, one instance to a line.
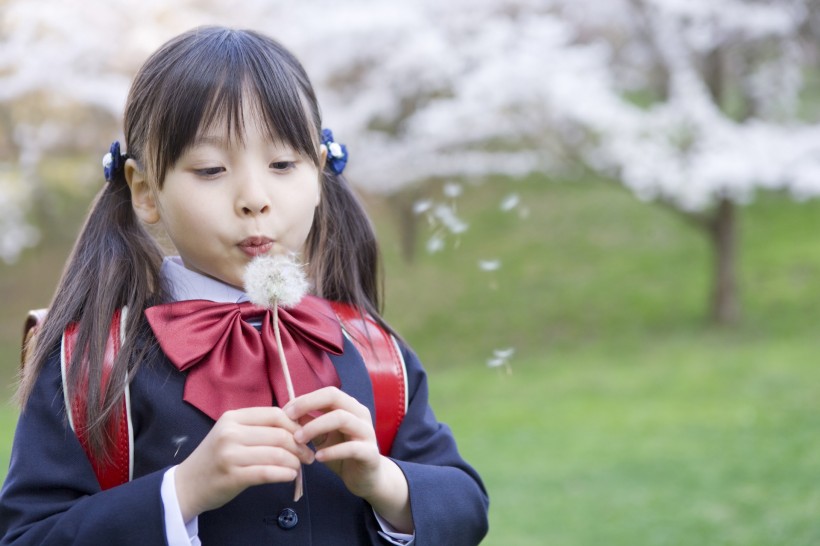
x=447, y=498
x=51, y=495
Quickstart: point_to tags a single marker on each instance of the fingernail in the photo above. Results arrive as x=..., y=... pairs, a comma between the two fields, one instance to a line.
x=299, y=435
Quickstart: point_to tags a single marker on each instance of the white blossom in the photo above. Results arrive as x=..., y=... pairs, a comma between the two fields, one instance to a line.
x=437, y=90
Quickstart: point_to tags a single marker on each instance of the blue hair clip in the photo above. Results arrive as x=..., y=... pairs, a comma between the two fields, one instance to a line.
x=113, y=161
x=336, y=153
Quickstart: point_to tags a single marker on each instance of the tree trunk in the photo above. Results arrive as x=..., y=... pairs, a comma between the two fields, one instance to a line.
x=723, y=234
x=401, y=204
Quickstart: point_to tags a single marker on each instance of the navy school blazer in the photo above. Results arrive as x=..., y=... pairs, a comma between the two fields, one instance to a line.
x=51, y=495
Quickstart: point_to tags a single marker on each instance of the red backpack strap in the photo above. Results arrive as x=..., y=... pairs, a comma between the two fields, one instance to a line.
x=117, y=469
x=385, y=364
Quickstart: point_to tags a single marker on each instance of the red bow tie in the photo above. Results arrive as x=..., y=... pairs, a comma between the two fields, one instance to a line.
x=232, y=365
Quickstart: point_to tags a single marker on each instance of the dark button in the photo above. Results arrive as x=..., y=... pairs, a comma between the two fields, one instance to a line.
x=288, y=518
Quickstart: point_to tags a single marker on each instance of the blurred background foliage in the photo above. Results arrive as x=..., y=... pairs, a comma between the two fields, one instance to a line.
x=628, y=413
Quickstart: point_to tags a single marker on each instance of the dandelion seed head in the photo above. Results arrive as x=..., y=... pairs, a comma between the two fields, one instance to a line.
x=275, y=280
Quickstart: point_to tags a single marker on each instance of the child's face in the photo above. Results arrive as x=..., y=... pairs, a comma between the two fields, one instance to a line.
x=225, y=202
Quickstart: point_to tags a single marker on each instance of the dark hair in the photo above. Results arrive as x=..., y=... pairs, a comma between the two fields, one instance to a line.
x=192, y=82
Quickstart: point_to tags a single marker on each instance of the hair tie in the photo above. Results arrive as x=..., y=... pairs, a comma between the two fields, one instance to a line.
x=336, y=153
x=113, y=162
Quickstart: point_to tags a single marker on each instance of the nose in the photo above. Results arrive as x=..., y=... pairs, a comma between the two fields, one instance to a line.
x=252, y=198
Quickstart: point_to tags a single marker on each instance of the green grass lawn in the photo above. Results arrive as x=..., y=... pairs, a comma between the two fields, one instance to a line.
x=627, y=419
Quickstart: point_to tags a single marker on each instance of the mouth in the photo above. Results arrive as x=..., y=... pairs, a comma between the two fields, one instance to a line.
x=256, y=246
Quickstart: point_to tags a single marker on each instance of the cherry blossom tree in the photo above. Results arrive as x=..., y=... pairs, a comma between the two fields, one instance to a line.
x=65, y=69
x=693, y=104
x=724, y=84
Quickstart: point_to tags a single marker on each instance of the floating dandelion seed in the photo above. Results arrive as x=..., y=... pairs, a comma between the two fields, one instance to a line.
x=178, y=441
x=422, y=206
x=510, y=202
x=452, y=190
x=442, y=219
x=435, y=244
x=504, y=353
x=501, y=357
x=278, y=281
x=447, y=216
x=489, y=265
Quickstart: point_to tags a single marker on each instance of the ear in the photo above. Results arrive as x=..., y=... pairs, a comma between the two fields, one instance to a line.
x=322, y=157
x=142, y=196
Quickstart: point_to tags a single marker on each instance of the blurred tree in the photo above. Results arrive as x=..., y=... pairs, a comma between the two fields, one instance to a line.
x=691, y=104
x=64, y=74
x=720, y=86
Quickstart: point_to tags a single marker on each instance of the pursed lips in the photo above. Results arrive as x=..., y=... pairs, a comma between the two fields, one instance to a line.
x=256, y=246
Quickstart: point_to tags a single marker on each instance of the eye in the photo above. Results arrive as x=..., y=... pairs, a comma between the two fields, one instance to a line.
x=209, y=172
x=282, y=166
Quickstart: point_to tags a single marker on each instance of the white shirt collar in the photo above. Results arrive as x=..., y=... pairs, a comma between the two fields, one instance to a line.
x=190, y=285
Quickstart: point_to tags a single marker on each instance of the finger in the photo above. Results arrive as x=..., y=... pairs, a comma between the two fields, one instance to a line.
x=328, y=398
x=264, y=436
x=336, y=421
x=260, y=416
x=265, y=455
x=300, y=451
x=360, y=451
x=256, y=475
x=230, y=435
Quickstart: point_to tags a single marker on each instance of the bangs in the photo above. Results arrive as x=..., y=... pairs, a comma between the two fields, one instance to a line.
x=214, y=74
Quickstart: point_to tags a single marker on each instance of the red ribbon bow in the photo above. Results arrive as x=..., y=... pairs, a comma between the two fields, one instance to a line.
x=233, y=365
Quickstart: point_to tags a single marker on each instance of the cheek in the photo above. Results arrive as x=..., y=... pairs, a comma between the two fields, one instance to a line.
x=305, y=223
x=300, y=227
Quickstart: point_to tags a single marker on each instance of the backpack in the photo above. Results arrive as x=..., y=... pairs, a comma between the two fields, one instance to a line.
x=379, y=350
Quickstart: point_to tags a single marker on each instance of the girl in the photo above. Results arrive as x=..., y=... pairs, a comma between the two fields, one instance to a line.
x=226, y=155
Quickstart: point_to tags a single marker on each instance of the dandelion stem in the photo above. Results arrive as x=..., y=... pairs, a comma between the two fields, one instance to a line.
x=282, y=359
x=299, y=486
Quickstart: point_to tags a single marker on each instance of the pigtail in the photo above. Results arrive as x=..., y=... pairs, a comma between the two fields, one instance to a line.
x=114, y=263
x=342, y=251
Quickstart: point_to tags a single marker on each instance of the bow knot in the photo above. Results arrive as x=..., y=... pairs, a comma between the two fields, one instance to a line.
x=233, y=365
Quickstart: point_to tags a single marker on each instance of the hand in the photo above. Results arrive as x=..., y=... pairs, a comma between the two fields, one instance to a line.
x=342, y=431
x=246, y=447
